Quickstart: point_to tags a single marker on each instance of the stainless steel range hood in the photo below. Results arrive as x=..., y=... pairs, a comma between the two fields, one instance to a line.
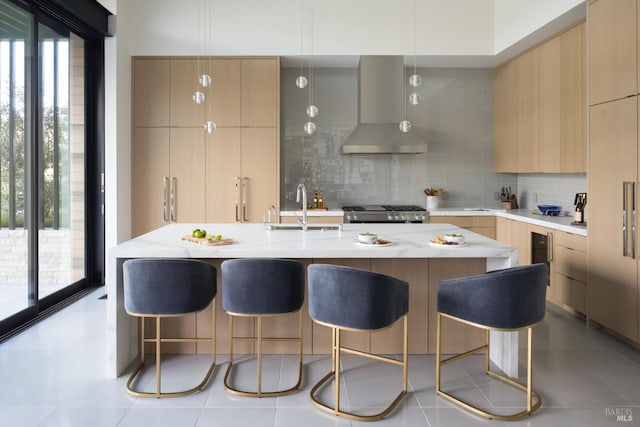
x=381, y=109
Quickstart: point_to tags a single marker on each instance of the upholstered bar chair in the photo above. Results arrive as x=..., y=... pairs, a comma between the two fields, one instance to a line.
x=350, y=299
x=258, y=288
x=512, y=299
x=164, y=288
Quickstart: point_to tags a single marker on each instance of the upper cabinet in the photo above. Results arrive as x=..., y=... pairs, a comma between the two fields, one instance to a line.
x=151, y=81
x=182, y=174
x=539, y=113
x=260, y=92
x=613, y=50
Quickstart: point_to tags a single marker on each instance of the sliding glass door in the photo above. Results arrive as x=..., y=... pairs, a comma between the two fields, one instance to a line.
x=44, y=171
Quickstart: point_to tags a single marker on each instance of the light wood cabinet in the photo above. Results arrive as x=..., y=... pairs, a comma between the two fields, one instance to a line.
x=505, y=149
x=229, y=175
x=613, y=50
x=528, y=111
x=151, y=81
x=484, y=225
x=168, y=177
x=260, y=92
x=184, y=82
x=240, y=167
x=570, y=267
x=562, y=110
x=613, y=160
x=225, y=92
x=539, y=114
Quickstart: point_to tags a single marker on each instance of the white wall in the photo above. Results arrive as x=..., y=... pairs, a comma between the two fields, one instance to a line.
x=354, y=27
x=516, y=19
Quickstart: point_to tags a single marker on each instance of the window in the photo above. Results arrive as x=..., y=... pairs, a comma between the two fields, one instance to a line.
x=51, y=146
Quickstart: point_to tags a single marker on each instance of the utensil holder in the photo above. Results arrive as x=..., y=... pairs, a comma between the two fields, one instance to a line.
x=433, y=202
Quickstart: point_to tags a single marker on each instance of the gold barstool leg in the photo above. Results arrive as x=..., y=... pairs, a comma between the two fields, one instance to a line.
x=336, y=350
x=158, y=355
x=158, y=340
x=259, y=339
x=528, y=388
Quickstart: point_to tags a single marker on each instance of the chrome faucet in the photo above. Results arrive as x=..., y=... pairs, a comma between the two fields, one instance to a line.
x=302, y=189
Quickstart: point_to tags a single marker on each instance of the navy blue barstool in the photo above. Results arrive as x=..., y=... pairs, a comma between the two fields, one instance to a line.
x=258, y=288
x=512, y=299
x=161, y=288
x=351, y=299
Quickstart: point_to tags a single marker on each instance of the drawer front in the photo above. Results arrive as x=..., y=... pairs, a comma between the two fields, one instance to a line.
x=571, y=292
x=570, y=240
x=459, y=221
x=465, y=221
x=571, y=263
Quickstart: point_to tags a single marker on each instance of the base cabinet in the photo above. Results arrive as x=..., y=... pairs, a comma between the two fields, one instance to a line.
x=567, y=258
x=570, y=268
x=484, y=225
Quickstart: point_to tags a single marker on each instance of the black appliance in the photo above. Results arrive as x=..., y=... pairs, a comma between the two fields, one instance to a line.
x=542, y=251
x=385, y=214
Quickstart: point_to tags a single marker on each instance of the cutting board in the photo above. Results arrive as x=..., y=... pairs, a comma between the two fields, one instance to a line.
x=205, y=242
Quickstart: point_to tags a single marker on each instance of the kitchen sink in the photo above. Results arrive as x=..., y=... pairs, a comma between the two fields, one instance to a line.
x=321, y=227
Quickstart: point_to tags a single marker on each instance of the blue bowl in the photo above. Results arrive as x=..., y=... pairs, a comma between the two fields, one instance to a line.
x=550, y=209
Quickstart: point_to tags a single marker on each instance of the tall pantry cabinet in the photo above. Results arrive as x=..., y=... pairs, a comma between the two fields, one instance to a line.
x=182, y=174
x=613, y=296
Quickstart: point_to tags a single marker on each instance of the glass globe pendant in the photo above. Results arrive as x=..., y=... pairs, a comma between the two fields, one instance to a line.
x=312, y=111
x=415, y=80
x=198, y=97
x=309, y=128
x=205, y=80
x=414, y=98
x=210, y=126
x=301, y=82
x=405, y=126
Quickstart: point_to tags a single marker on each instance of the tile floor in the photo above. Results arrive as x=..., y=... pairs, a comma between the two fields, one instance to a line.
x=54, y=375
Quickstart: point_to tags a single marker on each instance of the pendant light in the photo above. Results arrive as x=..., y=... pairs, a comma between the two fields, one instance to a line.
x=312, y=110
x=405, y=124
x=301, y=80
x=204, y=79
x=415, y=79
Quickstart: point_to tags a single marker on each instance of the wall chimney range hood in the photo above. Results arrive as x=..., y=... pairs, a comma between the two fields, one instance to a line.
x=381, y=109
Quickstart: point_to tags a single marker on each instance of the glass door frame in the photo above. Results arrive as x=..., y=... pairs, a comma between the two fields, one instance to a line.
x=58, y=17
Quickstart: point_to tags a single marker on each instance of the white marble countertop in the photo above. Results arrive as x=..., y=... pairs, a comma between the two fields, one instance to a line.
x=252, y=240
x=562, y=223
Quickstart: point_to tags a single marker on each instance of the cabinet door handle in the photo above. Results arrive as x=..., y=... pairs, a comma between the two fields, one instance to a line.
x=172, y=199
x=244, y=198
x=549, y=247
x=165, y=182
x=237, y=199
x=625, y=218
x=633, y=220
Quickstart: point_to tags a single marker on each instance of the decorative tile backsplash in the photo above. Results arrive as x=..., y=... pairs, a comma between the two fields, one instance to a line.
x=455, y=117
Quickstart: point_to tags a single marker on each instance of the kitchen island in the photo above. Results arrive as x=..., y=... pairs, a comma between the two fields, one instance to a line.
x=410, y=257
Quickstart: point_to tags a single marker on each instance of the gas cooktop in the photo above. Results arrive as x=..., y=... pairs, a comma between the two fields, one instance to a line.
x=384, y=213
x=383, y=208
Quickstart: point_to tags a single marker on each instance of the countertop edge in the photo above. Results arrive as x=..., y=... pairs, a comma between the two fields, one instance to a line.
x=524, y=215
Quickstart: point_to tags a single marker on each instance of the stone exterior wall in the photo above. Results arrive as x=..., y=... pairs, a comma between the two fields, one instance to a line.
x=55, y=263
